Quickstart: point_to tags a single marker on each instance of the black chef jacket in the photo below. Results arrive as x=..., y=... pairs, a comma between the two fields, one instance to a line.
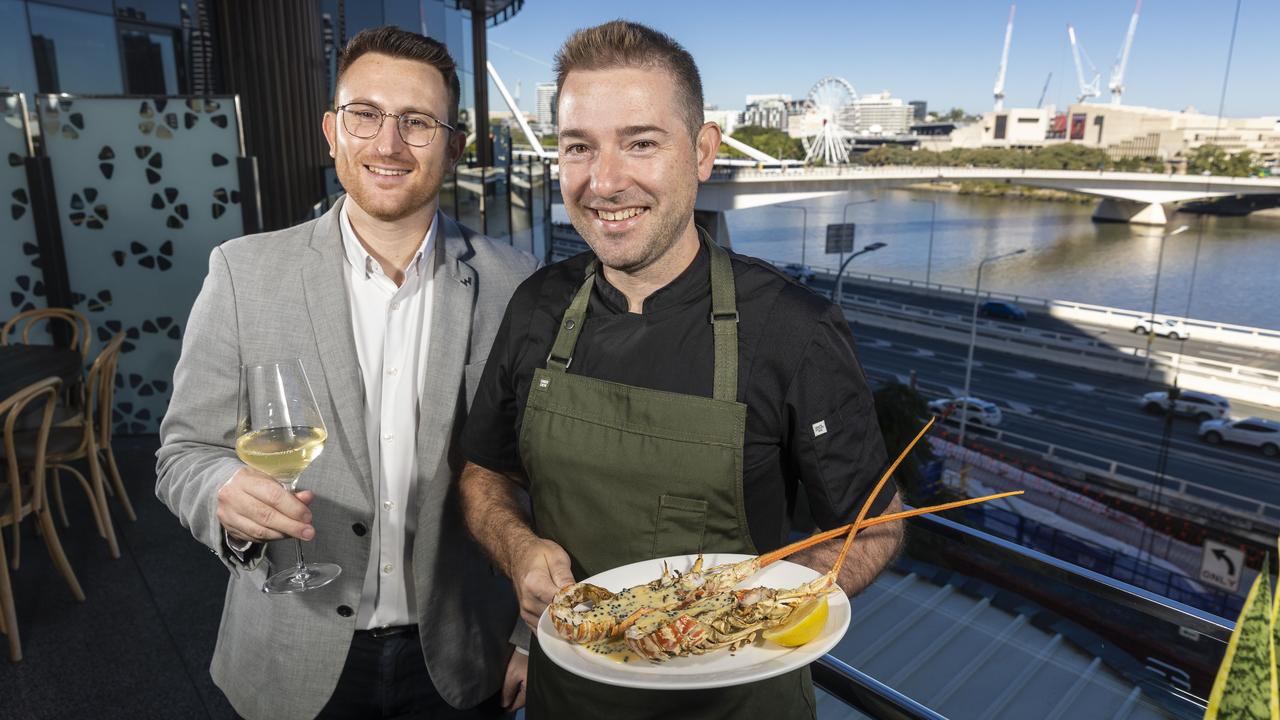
x=810, y=418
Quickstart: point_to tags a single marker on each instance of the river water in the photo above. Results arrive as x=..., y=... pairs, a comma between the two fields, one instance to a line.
x=1068, y=256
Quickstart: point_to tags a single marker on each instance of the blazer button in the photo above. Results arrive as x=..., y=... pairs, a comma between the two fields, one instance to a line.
x=359, y=529
x=345, y=611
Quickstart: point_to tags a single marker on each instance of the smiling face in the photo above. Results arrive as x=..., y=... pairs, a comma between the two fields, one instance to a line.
x=629, y=170
x=386, y=178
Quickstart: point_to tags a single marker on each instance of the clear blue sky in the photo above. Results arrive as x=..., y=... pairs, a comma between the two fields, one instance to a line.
x=946, y=53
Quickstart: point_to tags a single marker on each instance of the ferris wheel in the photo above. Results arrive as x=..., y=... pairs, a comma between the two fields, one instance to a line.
x=827, y=102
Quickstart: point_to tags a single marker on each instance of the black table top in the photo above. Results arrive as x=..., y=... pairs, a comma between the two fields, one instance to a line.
x=21, y=365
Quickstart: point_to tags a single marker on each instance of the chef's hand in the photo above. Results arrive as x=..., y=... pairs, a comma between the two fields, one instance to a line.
x=540, y=570
x=252, y=506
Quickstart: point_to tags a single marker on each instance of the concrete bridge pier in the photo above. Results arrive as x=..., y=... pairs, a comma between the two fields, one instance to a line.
x=713, y=221
x=1130, y=211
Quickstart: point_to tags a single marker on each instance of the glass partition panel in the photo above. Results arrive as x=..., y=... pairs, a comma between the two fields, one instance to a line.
x=971, y=626
x=147, y=187
x=19, y=250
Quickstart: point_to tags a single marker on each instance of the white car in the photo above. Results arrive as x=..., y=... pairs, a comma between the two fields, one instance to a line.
x=979, y=412
x=1260, y=433
x=1172, y=329
x=1199, y=405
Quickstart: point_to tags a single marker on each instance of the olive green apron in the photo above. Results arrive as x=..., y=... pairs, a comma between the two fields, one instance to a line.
x=620, y=474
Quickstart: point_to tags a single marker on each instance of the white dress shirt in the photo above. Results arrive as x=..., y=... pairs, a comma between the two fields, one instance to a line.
x=392, y=330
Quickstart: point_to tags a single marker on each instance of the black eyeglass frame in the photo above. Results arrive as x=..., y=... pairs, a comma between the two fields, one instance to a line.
x=383, y=115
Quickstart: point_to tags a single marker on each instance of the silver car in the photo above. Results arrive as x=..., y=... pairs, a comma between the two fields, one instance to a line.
x=1257, y=432
x=979, y=412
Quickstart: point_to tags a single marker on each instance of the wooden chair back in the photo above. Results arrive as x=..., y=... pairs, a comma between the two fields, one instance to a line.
x=100, y=391
x=11, y=409
x=24, y=323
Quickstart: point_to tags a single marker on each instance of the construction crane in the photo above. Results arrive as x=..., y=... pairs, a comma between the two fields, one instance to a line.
x=1087, y=89
x=1116, y=86
x=1004, y=60
x=1043, y=91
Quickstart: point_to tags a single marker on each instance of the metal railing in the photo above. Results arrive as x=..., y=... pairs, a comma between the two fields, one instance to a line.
x=1112, y=598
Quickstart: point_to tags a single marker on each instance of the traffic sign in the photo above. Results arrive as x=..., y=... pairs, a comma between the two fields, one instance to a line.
x=840, y=238
x=1221, y=565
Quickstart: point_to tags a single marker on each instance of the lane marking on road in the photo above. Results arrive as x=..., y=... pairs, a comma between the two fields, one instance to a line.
x=902, y=379
x=925, y=353
x=1083, y=387
x=1019, y=407
x=1024, y=375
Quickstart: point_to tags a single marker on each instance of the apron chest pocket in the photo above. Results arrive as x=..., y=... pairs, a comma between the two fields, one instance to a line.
x=680, y=525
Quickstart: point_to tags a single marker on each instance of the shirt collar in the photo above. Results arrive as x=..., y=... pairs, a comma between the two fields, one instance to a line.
x=692, y=284
x=360, y=258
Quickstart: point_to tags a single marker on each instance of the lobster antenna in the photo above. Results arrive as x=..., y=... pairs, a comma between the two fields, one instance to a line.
x=866, y=506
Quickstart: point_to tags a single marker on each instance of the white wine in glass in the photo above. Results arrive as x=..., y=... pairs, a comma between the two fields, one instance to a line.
x=280, y=432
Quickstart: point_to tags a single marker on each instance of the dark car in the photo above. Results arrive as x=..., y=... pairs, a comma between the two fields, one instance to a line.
x=1002, y=310
x=801, y=273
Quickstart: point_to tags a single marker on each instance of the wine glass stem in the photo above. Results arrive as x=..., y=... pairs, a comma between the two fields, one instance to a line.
x=302, y=567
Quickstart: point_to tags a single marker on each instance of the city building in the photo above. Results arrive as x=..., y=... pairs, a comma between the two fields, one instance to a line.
x=768, y=111
x=546, y=107
x=878, y=114
x=919, y=110
x=1011, y=127
x=1127, y=131
x=728, y=120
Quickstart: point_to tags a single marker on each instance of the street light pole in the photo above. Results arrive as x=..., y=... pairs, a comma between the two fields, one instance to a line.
x=973, y=338
x=844, y=218
x=933, y=214
x=1155, y=291
x=838, y=295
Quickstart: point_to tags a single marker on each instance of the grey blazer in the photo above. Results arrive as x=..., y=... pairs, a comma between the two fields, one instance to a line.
x=279, y=295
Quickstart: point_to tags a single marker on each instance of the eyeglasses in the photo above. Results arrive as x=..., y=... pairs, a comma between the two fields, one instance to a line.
x=365, y=121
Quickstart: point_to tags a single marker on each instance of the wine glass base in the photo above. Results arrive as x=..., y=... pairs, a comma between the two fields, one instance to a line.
x=310, y=576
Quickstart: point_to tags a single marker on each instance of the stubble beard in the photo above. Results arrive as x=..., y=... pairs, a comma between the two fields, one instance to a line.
x=373, y=201
x=633, y=257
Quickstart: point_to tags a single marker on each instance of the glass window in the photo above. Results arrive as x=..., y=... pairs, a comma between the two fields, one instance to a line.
x=402, y=14
x=15, y=48
x=150, y=66
x=362, y=16
x=75, y=52
x=102, y=6
x=155, y=11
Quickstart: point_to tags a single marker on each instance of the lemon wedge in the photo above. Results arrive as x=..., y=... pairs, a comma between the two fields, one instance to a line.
x=805, y=624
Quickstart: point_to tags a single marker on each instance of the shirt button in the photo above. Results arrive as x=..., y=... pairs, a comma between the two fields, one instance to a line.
x=386, y=569
x=392, y=371
x=345, y=611
x=395, y=306
x=359, y=529
x=388, y=437
x=387, y=505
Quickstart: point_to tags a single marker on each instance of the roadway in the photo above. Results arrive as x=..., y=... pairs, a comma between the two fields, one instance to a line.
x=1112, y=336
x=1083, y=410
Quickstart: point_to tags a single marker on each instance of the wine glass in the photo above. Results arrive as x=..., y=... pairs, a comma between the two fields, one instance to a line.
x=279, y=433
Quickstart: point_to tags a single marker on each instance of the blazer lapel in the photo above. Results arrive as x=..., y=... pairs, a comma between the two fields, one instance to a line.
x=454, y=288
x=330, y=313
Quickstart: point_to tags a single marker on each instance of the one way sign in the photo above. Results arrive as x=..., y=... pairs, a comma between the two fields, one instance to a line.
x=1221, y=565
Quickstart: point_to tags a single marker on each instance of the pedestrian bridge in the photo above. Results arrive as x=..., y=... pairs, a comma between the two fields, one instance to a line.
x=1125, y=196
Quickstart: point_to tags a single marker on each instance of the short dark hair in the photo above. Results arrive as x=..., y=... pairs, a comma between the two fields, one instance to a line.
x=621, y=43
x=391, y=40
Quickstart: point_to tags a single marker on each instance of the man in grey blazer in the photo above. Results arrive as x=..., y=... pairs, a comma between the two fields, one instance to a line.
x=392, y=308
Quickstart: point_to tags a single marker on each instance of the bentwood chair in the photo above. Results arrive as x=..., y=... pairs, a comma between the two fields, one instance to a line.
x=24, y=323
x=91, y=441
x=24, y=494
x=23, y=329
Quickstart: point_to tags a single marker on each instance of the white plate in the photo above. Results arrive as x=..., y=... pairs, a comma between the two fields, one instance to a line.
x=717, y=669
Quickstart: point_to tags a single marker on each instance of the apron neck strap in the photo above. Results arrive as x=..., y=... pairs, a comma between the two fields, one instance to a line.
x=724, y=322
